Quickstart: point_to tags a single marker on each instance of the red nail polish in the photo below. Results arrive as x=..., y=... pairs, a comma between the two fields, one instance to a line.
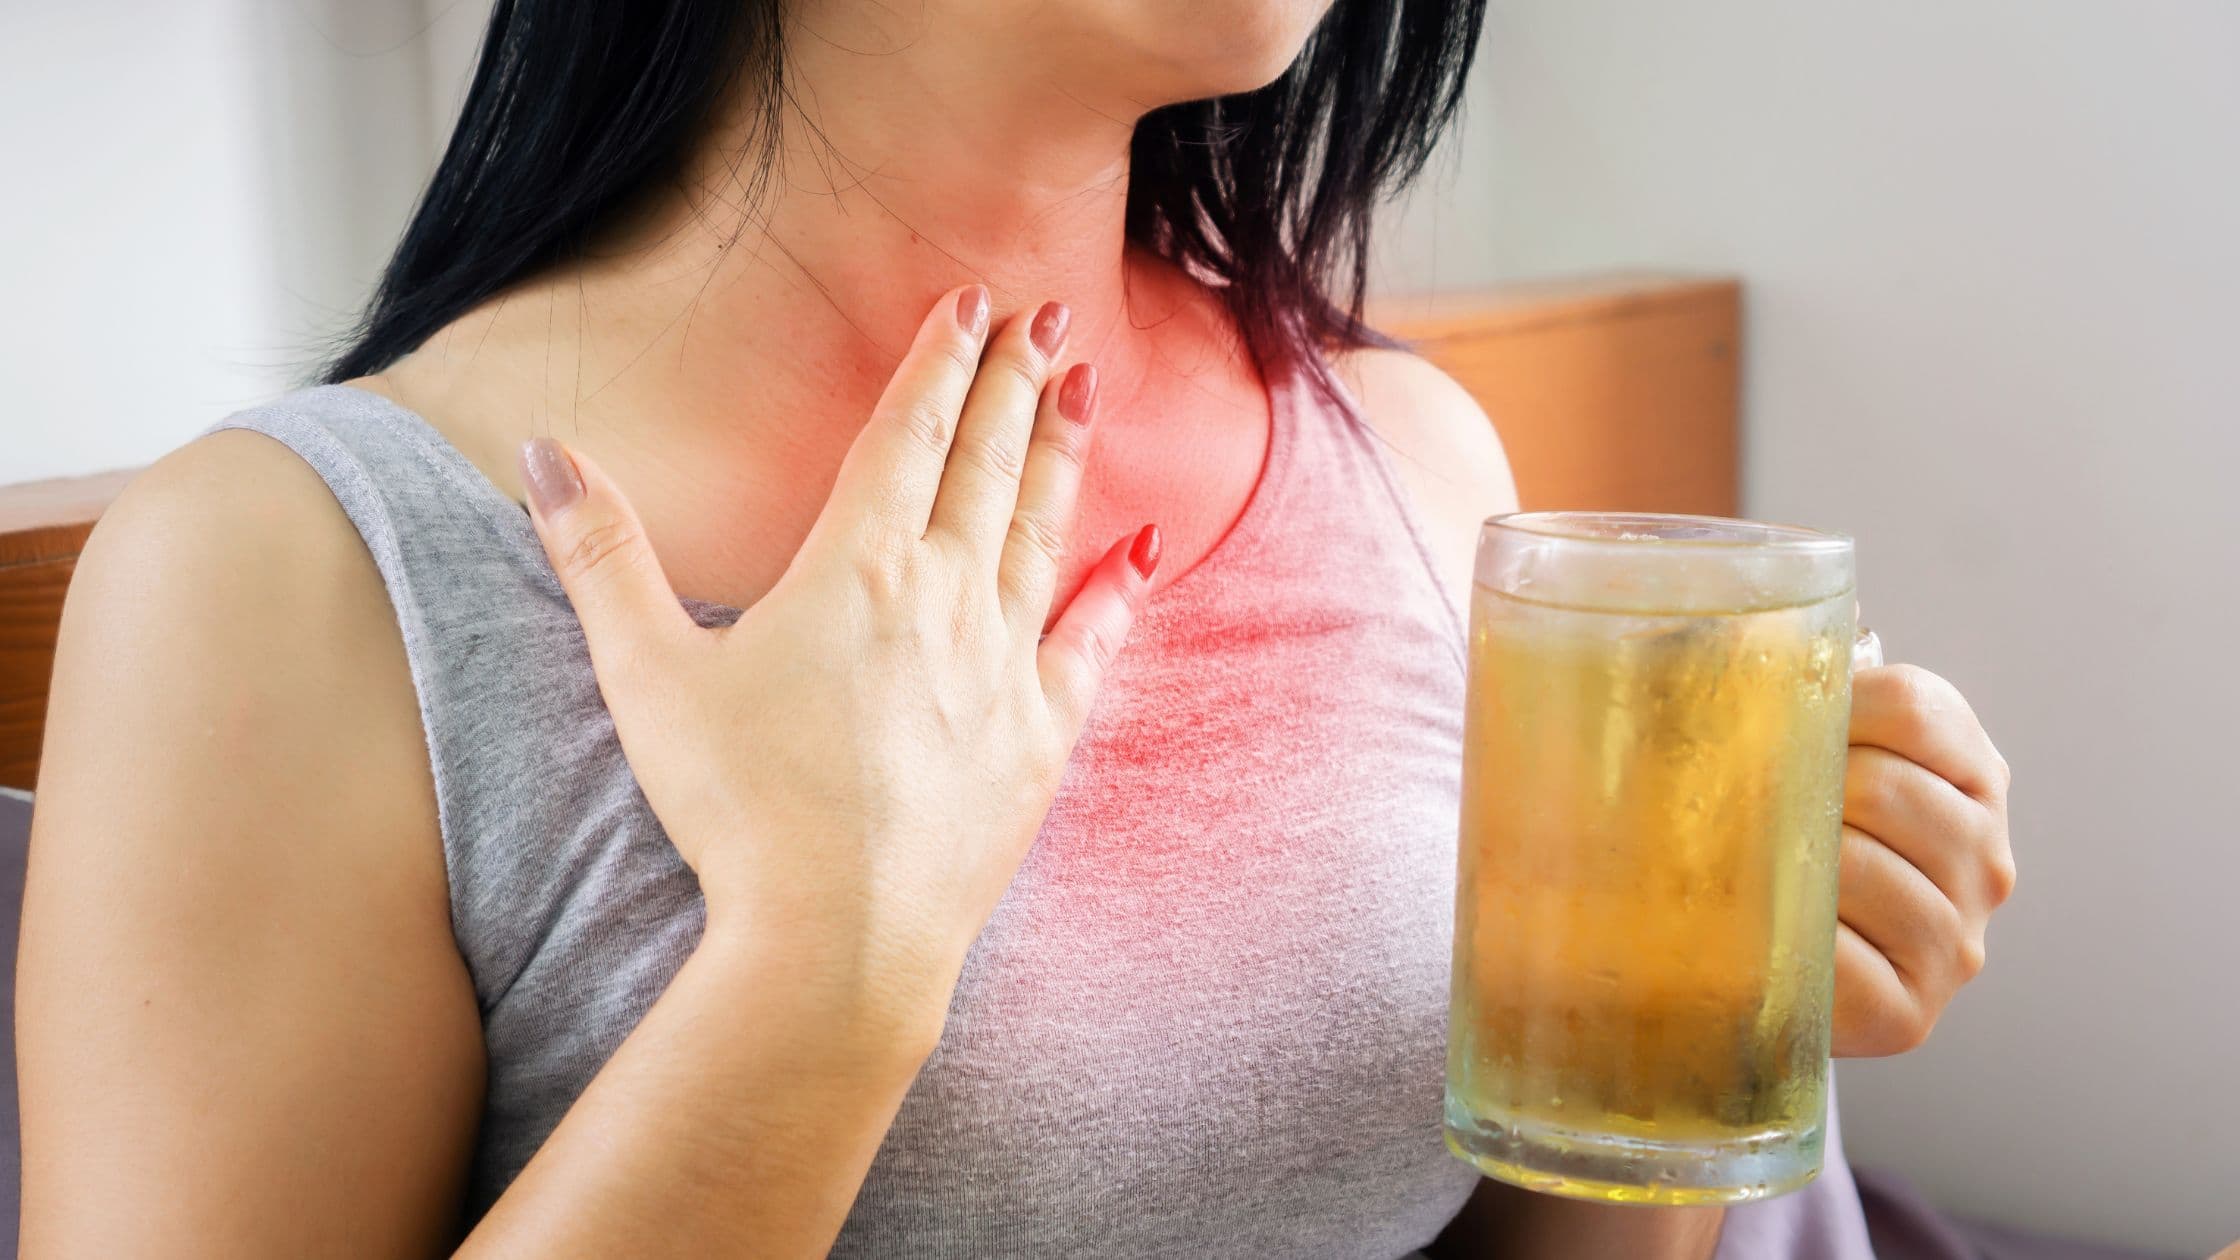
x=972, y=309
x=1143, y=557
x=1049, y=329
x=1077, y=394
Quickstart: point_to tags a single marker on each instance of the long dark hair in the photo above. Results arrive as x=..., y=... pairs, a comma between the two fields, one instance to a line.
x=578, y=106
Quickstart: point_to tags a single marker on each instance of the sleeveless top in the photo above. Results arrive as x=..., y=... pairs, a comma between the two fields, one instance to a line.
x=1209, y=1015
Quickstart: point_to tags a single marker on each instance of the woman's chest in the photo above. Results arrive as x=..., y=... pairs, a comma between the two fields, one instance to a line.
x=1211, y=1009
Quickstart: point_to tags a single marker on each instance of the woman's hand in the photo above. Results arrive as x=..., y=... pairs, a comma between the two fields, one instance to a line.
x=857, y=767
x=1925, y=858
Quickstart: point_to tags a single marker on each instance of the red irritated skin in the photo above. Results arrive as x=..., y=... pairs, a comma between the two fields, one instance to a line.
x=918, y=510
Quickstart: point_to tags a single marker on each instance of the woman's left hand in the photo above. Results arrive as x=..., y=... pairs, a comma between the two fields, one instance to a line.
x=1925, y=858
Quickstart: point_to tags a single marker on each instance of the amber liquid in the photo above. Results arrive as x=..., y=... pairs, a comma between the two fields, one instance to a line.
x=1645, y=918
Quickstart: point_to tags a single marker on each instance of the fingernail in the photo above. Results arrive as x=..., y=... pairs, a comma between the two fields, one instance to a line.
x=972, y=309
x=1077, y=394
x=1143, y=557
x=1049, y=329
x=552, y=479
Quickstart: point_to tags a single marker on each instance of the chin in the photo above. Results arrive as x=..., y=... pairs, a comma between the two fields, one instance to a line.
x=1194, y=49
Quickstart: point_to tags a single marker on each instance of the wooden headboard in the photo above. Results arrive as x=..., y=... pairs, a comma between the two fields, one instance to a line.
x=42, y=526
x=1616, y=391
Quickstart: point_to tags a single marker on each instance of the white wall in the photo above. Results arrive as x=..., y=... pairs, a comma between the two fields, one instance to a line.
x=1993, y=258
x=198, y=194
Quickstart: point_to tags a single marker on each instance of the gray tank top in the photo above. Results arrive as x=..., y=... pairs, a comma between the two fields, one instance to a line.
x=1208, y=1018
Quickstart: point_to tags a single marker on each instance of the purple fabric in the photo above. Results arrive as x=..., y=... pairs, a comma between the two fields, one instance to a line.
x=1904, y=1226
x=1823, y=1221
x=15, y=843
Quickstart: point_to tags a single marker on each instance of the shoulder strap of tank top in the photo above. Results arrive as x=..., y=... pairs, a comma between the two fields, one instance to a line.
x=486, y=626
x=1341, y=459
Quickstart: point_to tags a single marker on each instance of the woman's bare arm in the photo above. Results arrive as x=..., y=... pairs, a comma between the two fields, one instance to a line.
x=244, y=1029
x=738, y=1119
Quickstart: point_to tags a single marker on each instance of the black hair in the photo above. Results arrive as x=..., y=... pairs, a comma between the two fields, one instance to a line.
x=577, y=107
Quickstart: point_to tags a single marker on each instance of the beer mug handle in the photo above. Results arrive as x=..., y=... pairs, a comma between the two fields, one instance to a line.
x=1866, y=650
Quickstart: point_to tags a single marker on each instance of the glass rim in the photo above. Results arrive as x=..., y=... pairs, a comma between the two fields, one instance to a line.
x=1766, y=536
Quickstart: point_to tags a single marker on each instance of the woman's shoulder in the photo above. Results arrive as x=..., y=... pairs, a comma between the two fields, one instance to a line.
x=227, y=575
x=1444, y=450
x=233, y=526
x=231, y=689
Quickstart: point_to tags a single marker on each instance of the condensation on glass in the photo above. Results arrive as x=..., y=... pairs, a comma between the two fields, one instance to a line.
x=1652, y=801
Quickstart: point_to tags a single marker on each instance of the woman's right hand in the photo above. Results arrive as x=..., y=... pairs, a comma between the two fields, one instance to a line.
x=856, y=768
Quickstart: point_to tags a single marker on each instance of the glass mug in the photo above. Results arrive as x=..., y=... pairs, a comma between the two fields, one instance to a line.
x=1652, y=800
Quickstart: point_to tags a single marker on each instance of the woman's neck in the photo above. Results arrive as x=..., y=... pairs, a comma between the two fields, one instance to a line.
x=721, y=349
x=905, y=164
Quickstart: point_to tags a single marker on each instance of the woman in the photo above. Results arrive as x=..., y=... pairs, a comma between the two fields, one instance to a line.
x=413, y=874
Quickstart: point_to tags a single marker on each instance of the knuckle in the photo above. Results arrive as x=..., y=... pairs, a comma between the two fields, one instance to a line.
x=1870, y=787
x=1098, y=648
x=1870, y=685
x=927, y=423
x=1912, y=682
x=1925, y=695
x=1019, y=371
x=1886, y=687
x=962, y=354
x=1063, y=452
x=995, y=459
x=597, y=547
x=1067, y=691
x=884, y=566
x=2001, y=874
x=1970, y=957
x=1037, y=536
x=1090, y=652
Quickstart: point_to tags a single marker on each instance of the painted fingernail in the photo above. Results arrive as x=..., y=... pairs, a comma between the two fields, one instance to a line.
x=1143, y=556
x=550, y=476
x=972, y=309
x=1049, y=329
x=1077, y=394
